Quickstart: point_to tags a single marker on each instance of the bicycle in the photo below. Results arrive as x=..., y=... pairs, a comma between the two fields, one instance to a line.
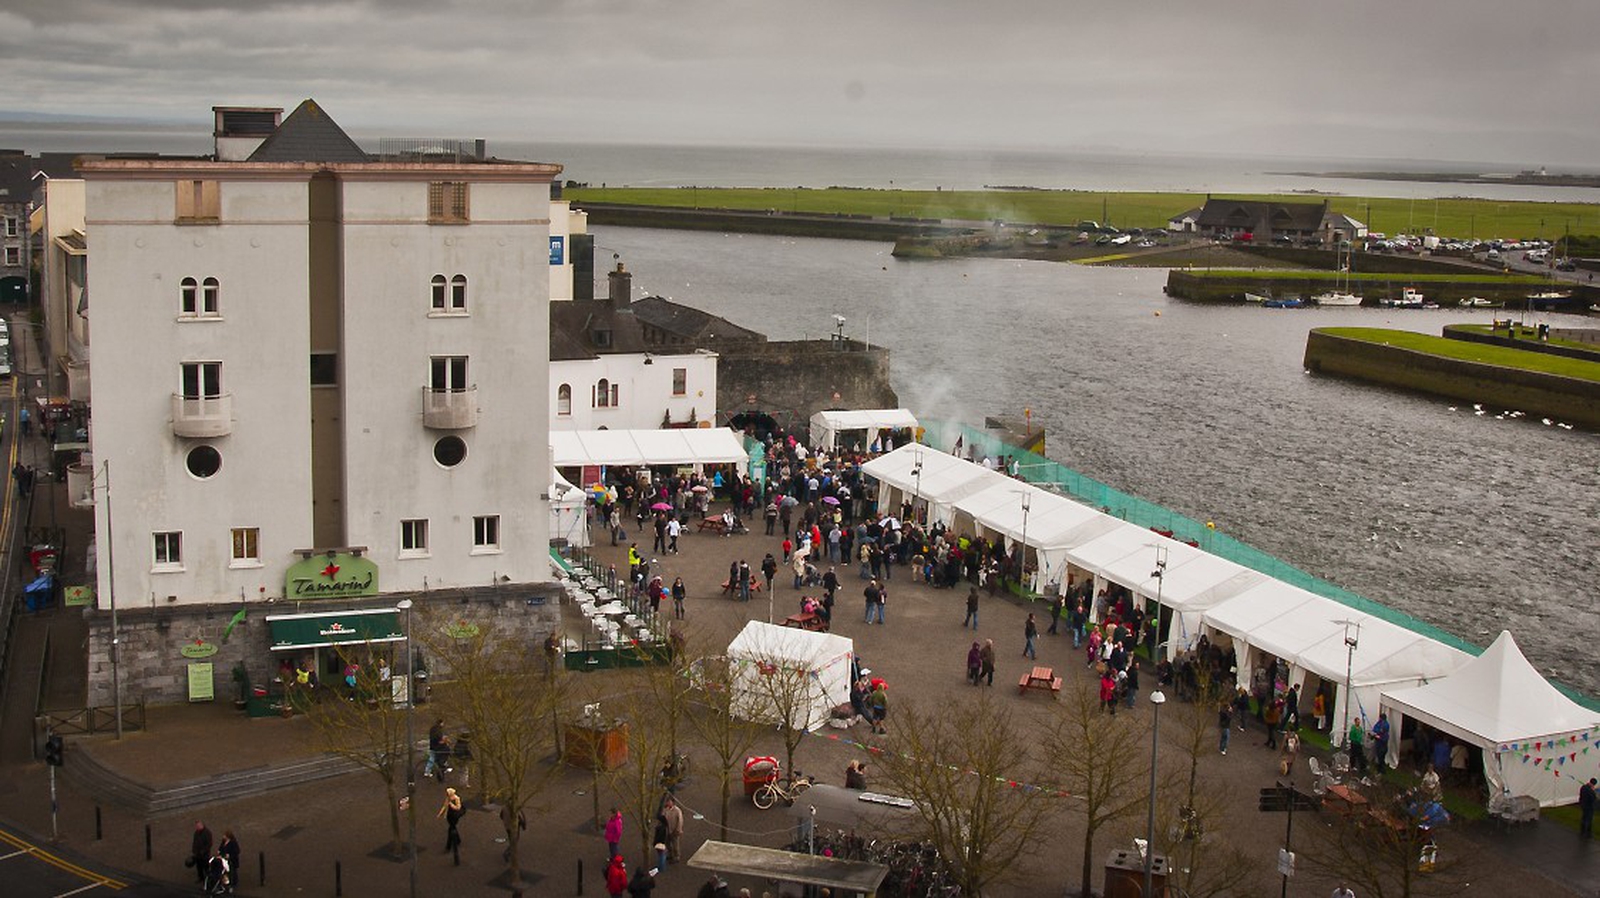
x=772, y=790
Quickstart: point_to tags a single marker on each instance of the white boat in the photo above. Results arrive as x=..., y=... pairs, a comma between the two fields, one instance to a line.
x=1256, y=297
x=1340, y=295
x=1478, y=302
x=1409, y=299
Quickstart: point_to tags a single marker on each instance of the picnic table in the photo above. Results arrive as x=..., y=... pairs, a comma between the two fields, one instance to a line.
x=1042, y=678
x=717, y=524
x=816, y=623
x=729, y=586
x=1345, y=800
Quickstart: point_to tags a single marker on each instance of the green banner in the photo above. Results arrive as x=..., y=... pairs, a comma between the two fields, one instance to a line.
x=337, y=576
x=306, y=631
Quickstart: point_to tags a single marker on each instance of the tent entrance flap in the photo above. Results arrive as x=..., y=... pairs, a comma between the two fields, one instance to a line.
x=843, y=877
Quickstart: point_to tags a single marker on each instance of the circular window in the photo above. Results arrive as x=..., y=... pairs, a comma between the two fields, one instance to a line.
x=203, y=461
x=450, y=451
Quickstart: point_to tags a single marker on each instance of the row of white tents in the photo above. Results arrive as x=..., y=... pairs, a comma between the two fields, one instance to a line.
x=1386, y=664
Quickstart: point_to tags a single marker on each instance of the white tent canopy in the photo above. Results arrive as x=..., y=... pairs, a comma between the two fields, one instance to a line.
x=682, y=446
x=932, y=476
x=569, y=518
x=827, y=425
x=786, y=669
x=1535, y=740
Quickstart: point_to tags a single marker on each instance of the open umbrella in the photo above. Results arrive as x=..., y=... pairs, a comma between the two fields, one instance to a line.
x=699, y=488
x=790, y=501
x=661, y=506
x=830, y=500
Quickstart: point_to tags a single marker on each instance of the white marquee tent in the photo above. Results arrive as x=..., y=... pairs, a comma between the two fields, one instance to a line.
x=826, y=426
x=808, y=672
x=569, y=513
x=677, y=446
x=936, y=478
x=1535, y=740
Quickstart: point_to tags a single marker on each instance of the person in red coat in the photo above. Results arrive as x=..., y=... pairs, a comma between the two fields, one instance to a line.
x=616, y=877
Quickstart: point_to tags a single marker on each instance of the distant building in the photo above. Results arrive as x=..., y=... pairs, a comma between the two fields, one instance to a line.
x=16, y=207
x=1184, y=223
x=1268, y=222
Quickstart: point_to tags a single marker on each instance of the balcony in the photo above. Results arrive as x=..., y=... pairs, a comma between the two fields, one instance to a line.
x=202, y=417
x=447, y=409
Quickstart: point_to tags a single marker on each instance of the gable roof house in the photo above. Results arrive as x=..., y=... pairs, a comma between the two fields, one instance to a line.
x=1264, y=221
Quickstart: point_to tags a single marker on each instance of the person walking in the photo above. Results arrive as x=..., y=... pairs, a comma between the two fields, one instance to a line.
x=229, y=849
x=878, y=701
x=972, y=609
x=870, y=594
x=974, y=662
x=883, y=599
x=769, y=570
x=452, y=812
x=674, y=816
x=1274, y=717
x=679, y=593
x=614, y=833
x=200, y=851
x=1586, y=803
x=674, y=530
x=1224, y=725
x=616, y=877
x=1030, y=632
x=745, y=575
x=1130, y=685
x=1055, y=613
x=986, y=662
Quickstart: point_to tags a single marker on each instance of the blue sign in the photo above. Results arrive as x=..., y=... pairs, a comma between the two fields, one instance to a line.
x=558, y=250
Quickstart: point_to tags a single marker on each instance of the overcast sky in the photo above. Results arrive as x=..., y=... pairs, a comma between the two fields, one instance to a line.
x=1463, y=79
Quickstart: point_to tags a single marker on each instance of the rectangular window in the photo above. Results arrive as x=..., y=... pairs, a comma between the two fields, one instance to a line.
x=324, y=369
x=413, y=538
x=486, y=533
x=680, y=381
x=199, y=201
x=447, y=373
x=13, y=256
x=12, y=227
x=447, y=201
x=202, y=380
x=169, y=550
x=246, y=547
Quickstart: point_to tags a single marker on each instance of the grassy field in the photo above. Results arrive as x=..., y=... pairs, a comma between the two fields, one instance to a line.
x=1471, y=352
x=1461, y=218
x=1373, y=278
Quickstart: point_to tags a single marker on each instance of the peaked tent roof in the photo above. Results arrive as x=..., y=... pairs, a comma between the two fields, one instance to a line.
x=1498, y=697
x=309, y=135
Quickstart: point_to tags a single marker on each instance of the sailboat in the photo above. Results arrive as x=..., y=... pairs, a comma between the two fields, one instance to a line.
x=1338, y=296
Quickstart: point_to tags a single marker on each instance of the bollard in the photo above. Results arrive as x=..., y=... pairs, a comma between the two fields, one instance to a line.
x=338, y=880
x=98, y=832
x=261, y=865
x=580, y=876
x=147, y=842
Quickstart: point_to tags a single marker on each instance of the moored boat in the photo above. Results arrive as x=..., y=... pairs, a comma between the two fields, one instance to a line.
x=1478, y=302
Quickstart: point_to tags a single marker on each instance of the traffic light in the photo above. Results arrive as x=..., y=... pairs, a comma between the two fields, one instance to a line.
x=55, y=751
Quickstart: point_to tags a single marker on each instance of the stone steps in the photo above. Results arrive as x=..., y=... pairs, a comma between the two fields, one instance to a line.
x=86, y=772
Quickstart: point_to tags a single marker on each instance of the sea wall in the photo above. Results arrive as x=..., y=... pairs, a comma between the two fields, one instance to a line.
x=1201, y=286
x=792, y=380
x=1567, y=399
x=1530, y=342
x=771, y=221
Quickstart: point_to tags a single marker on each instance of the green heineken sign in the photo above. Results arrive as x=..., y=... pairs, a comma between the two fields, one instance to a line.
x=337, y=576
x=305, y=631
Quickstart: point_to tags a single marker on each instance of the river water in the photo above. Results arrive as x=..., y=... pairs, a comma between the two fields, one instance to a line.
x=1469, y=522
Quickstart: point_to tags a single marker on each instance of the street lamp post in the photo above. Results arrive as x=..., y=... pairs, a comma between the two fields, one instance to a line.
x=1022, y=552
x=916, y=472
x=1350, y=643
x=411, y=767
x=1160, y=573
x=111, y=592
x=1157, y=699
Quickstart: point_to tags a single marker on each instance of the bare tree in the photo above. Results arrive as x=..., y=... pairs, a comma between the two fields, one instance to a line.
x=1102, y=760
x=367, y=727
x=962, y=765
x=719, y=726
x=771, y=687
x=504, y=695
x=637, y=779
x=1385, y=852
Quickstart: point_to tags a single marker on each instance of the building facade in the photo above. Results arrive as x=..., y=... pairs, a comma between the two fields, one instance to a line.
x=311, y=380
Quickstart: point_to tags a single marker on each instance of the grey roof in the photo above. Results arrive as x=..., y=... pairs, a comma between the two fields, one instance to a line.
x=309, y=135
x=689, y=323
x=16, y=178
x=1192, y=213
x=574, y=324
x=1262, y=216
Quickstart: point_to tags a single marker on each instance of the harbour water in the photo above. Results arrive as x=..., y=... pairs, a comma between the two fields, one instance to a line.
x=1471, y=522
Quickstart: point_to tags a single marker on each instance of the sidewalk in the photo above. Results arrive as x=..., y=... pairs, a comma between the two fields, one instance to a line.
x=302, y=835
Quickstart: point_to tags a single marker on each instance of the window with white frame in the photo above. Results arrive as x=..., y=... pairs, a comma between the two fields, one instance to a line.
x=458, y=293
x=447, y=373
x=449, y=294
x=246, y=547
x=168, y=550
x=680, y=381
x=202, y=380
x=13, y=226
x=198, y=299
x=564, y=399
x=413, y=537
x=486, y=533
x=13, y=256
x=606, y=394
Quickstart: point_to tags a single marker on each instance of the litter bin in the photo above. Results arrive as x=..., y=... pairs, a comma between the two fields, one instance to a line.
x=419, y=682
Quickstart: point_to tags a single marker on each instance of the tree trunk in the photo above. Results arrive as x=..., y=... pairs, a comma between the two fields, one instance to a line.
x=394, y=817
x=1088, y=861
x=513, y=861
x=727, y=789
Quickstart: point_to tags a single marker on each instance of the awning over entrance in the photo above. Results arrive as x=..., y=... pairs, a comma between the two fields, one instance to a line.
x=309, y=631
x=843, y=877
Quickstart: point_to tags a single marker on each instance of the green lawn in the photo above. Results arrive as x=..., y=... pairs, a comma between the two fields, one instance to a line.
x=1481, y=219
x=1267, y=274
x=1471, y=352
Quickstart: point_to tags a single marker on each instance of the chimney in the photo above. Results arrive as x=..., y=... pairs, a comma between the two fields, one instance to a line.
x=621, y=286
x=480, y=149
x=239, y=130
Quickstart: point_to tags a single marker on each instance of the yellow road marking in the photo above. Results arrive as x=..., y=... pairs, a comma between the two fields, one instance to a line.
x=61, y=863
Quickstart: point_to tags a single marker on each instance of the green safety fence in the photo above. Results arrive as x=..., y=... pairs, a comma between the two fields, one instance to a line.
x=1045, y=472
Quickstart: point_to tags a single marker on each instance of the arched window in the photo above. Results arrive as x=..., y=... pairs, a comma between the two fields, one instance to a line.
x=188, y=297
x=458, y=293
x=209, y=290
x=602, y=394
x=438, y=292
x=564, y=399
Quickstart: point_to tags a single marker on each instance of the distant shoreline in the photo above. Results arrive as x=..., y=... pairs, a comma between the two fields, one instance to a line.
x=1528, y=179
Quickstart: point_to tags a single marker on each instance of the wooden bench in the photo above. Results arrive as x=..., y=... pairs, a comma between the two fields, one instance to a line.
x=1041, y=678
x=813, y=622
x=755, y=587
x=717, y=524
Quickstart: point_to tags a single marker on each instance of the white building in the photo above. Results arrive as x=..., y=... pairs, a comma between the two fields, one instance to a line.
x=304, y=351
